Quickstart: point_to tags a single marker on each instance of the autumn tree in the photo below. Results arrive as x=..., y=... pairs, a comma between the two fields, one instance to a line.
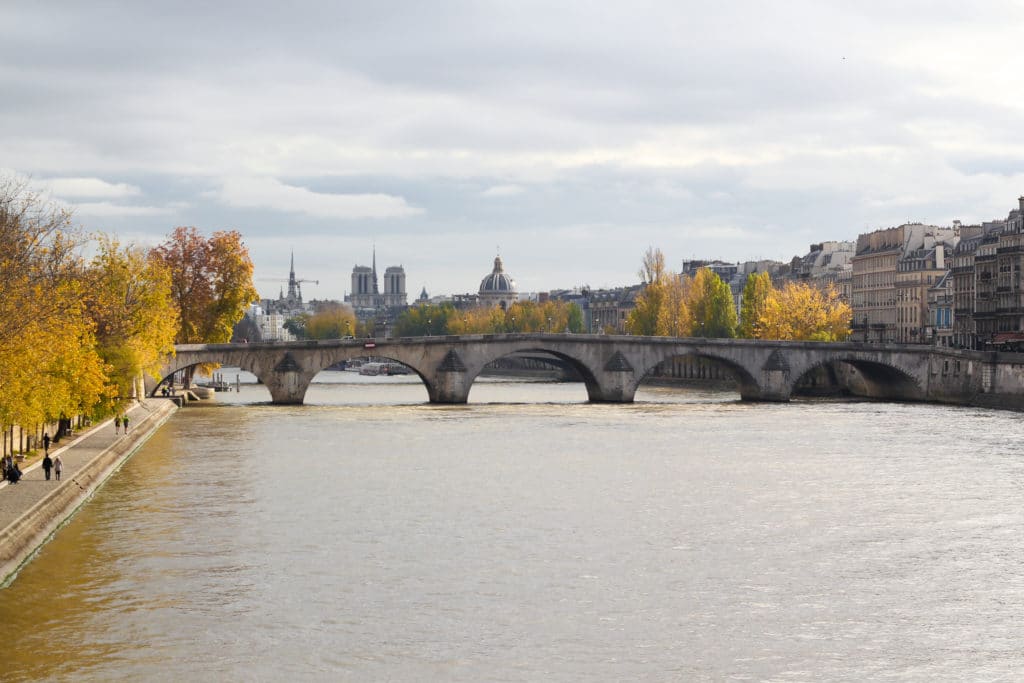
x=127, y=295
x=756, y=293
x=801, y=312
x=211, y=282
x=711, y=305
x=48, y=364
x=643, y=319
x=550, y=316
x=331, y=322
x=424, y=320
x=674, y=318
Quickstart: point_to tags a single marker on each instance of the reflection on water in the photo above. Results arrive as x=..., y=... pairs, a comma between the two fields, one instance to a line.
x=532, y=536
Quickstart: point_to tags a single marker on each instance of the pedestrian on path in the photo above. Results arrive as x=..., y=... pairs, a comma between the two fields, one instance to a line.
x=117, y=424
x=58, y=467
x=47, y=464
x=46, y=442
x=124, y=421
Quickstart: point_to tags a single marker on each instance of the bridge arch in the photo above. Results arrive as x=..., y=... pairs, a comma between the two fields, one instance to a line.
x=746, y=383
x=578, y=365
x=878, y=378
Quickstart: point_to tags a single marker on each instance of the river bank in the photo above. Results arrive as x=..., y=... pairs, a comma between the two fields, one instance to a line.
x=33, y=509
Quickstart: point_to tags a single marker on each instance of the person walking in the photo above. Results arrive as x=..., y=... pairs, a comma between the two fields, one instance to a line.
x=47, y=465
x=117, y=424
x=58, y=467
x=124, y=421
x=46, y=442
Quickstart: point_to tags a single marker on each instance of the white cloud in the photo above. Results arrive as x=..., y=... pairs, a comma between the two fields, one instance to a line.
x=88, y=188
x=108, y=210
x=503, y=191
x=268, y=193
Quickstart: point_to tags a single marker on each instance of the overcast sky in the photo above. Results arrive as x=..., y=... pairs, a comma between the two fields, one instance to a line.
x=569, y=135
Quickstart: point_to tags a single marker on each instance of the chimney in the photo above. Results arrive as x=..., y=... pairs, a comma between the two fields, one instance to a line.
x=1020, y=200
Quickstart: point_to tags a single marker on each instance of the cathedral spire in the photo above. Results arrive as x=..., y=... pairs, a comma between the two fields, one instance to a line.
x=376, y=290
x=294, y=296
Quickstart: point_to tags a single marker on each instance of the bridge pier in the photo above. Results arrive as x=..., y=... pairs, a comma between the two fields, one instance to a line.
x=449, y=387
x=775, y=387
x=617, y=387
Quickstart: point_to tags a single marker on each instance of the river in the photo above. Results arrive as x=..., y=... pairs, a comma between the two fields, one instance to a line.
x=530, y=536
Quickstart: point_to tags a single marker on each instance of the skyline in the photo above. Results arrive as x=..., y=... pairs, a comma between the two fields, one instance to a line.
x=568, y=139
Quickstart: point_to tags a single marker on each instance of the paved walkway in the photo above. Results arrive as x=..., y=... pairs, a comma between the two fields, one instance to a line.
x=76, y=452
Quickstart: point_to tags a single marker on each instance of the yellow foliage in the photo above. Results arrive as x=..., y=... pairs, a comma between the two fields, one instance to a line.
x=800, y=312
x=128, y=297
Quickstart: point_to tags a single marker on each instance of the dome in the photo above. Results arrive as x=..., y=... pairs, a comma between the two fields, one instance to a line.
x=498, y=281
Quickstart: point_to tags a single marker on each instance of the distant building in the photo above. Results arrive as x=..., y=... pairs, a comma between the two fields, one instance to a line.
x=497, y=288
x=939, y=330
x=366, y=298
x=290, y=303
x=827, y=263
x=609, y=308
x=884, y=311
x=267, y=317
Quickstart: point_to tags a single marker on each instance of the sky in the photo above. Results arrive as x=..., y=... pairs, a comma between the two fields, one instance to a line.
x=568, y=137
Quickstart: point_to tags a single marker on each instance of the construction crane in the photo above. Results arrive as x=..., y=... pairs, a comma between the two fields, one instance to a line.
x=284, y=279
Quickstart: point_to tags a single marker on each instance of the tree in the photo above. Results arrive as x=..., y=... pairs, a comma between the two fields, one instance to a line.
x=48, y=363
x=333, y=322
x=800, y=312
x=674, y=319
x=755, y=297
x=297, y=325
x=711, y=305
x=211, y=282
x=128, y=298
x=643, y=319
x=423, y=320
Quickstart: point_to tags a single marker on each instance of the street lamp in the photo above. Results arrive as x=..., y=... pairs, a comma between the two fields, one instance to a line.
x=513, y=323
x=428, y=327
x=549, y=324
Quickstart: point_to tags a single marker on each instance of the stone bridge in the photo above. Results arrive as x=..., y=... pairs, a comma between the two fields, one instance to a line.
x=612, y=366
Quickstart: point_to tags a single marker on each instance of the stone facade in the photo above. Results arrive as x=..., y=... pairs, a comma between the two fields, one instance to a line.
x=878, y=313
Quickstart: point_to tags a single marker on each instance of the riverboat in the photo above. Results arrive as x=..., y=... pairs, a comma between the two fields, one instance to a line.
x=393, y=369
x=373, y=369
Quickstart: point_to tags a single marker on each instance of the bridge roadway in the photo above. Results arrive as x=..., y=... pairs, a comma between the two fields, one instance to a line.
x=612, y=366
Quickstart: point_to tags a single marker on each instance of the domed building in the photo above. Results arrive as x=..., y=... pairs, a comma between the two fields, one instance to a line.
x=498, y=288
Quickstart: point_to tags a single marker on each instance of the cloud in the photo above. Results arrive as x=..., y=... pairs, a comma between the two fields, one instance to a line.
x=88, y=188
x=108, y=210
x=269, y=193
x=503, y=191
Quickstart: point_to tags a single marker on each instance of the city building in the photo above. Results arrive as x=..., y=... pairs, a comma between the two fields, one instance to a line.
x=497, y=288
x=827, y=263
x=971, y=237
x=939, y=329
x=366, y=298
x=877, y=312
x=609, y=308
x=917, y=272
x=1009, y=294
